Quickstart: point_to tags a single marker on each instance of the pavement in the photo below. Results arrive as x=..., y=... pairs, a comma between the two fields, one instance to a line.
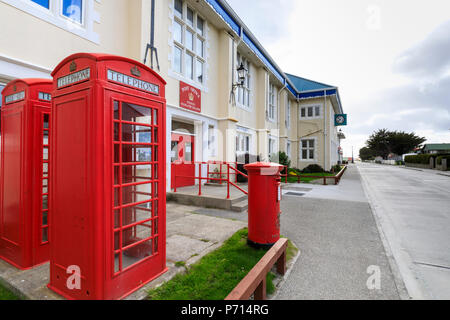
x=413, y=207
x=338, y=238
x=190, y=236
x=340, y=244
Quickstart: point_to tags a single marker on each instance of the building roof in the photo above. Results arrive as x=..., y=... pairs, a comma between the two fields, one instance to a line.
x=436, y=147
x=303, y=84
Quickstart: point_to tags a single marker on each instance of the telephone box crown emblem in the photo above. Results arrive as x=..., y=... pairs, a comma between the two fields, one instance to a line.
x=135, y=71
x=73, y=66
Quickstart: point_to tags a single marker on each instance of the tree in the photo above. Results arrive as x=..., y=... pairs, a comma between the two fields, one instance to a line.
x=379, y=143
x=366, y=154
x=383, y=142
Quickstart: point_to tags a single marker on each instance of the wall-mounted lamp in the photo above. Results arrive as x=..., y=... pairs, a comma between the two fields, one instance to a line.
x=242, y=74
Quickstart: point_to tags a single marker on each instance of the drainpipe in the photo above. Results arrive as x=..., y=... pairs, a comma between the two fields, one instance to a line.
x=279, y=111
x=325, y=130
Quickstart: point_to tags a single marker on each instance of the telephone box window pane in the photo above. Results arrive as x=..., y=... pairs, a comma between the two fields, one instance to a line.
x=116, y=153
x=132, y=174
x=116, y=132
x=116, y=175
x=116, y=240
x=156, y=226
x=117, y=262
x=137, y=233
x=155, y=208
x=44, y=202
x=132, y=153
x=116, y=110
x=117, y=218
x=156, y=244
x=139, y=193
x=73, y=9
x=43, y=3
x=135, y=113
x=45, y=139
x=44, y=189
x=137, y=253
x=46, y=121
x=133, y=133
x=155, y=118
x=136, y=214
x=44, y=218
x=45, y=153
x=44, y=234
x=45, y=168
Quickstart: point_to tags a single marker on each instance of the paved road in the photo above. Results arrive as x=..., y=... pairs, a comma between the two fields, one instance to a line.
x=413, y=208
x=339, y=240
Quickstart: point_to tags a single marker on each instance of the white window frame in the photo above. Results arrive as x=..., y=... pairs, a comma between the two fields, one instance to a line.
x=242, y=147
x=54, y=16
x=247, y=88
x=313, y=107
x=308, y=148
x=186, y=27
x=273, y=103
x=288, y=113
x=273, y=146
x=288, y=148
x=212, y=140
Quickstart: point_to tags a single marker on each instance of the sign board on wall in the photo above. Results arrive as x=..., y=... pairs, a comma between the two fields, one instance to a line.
x=340, y=120
x=190, y=97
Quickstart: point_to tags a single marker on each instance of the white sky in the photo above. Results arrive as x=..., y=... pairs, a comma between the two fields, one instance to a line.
x=356, y=45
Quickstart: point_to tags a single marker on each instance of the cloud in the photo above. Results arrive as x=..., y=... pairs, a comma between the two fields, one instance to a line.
x=260, y=17
x=430, y=58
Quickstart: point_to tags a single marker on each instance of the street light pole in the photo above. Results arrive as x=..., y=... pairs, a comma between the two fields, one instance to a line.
x=353, y=159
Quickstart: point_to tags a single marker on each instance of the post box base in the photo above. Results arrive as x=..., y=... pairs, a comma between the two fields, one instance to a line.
x=259, y=245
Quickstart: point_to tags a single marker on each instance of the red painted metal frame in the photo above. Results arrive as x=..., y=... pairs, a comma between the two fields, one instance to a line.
x=96, y=223
x=21, y=212
x=208, y=178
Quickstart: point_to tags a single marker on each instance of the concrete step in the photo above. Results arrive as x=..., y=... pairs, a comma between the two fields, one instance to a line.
x=240, y=206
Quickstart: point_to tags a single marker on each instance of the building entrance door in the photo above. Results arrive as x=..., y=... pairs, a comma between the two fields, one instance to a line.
x=183, y=160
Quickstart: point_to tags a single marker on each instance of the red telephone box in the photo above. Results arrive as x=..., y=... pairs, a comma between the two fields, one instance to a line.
x=25, y=124
x=108, y=177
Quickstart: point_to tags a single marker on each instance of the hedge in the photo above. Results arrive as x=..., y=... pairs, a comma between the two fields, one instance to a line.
x=420, y=158
x=439, y=159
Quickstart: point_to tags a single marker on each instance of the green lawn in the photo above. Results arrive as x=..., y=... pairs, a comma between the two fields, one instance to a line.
x=5, y=294
x=305, y=178
x=216, y=274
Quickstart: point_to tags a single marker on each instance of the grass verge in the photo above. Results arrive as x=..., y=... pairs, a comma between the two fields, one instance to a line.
x=216, y=274
x=305, y=178
x=6, y=294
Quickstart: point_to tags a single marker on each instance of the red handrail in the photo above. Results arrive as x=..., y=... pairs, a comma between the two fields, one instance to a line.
x=235, y=172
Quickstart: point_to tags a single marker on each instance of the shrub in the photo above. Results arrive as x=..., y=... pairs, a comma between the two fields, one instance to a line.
x=336, y=168
x=313, y=168
x=420, y=158
x=439, y=159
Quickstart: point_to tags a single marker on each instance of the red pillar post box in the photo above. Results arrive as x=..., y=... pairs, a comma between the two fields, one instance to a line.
x=264, y=196
x=25, y=124
x=108, y=176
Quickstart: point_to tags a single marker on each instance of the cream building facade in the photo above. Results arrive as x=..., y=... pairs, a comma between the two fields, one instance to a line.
x=200, y=44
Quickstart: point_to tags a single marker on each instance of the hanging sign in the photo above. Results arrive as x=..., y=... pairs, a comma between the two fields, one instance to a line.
x=340, y=120
x=190, y=97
